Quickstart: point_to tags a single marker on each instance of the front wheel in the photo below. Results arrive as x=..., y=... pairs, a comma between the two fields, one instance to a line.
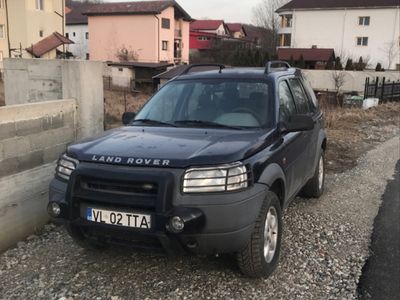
x=260, y=257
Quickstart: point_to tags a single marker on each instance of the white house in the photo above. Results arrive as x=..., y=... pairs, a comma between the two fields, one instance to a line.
x=354, y=28
x=77, y=29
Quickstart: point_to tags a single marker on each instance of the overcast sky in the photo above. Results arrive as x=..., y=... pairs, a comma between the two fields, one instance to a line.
x=229, y=10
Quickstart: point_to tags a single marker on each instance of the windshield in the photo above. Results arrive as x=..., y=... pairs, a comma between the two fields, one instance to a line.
x=210, y=103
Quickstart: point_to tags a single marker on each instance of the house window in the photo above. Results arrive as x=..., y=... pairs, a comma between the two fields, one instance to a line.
x=39, y=4
x=165, y=45
x=285, y=40
x=165, y=23
x=41, y=33
x=87, y=35
x=362, y=41
x=364, y=21
x=73, y=34
x=67, y=35
x=286, y=21
x=203, y=38
x=87, y=56
x=2, y=31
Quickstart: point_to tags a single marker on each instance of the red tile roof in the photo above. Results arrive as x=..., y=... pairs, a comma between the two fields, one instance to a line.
x=137, y=7
x=234, y=27
x=309, y=54
x=199, y=25
x=47, y=44
x=336, y=4
x=74, y=15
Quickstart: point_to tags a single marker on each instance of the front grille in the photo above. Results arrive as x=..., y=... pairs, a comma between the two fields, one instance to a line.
x=121, y=188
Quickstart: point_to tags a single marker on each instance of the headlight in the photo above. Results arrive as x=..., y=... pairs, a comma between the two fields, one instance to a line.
x=223, y=178
x=65, y=166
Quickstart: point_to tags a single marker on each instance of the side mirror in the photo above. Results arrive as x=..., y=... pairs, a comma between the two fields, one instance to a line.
x=298, y=123
x=128, y=117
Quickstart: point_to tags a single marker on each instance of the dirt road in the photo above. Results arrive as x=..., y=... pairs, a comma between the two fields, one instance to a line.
x=325, y=246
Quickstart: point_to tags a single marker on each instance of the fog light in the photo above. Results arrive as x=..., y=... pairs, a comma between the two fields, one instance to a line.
x=176, y=224
x=54, y=209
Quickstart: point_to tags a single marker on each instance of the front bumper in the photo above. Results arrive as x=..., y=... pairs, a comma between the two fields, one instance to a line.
x=214, y=223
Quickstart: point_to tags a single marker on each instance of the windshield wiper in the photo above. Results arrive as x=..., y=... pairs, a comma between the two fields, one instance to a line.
x=153, y=122
x=206, y=123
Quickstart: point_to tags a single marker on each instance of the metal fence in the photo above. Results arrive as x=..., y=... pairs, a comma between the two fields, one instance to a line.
x=383, y=89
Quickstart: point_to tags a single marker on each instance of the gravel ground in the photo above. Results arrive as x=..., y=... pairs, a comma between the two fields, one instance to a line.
x=325, y=246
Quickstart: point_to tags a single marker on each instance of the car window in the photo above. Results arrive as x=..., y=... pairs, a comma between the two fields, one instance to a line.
x=310, y=94
x=286, y=103
x=230, y=102
x=300, y=98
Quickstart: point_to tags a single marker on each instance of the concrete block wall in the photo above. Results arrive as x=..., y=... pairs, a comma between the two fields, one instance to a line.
x=32, y=80
x=353, y=81
x=32, y=136
x=37, y=80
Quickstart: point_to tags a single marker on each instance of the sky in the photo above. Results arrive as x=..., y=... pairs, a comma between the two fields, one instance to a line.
x=231, y=11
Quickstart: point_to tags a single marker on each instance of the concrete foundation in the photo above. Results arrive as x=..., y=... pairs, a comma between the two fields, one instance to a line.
x=32, y=137
x=23, y=200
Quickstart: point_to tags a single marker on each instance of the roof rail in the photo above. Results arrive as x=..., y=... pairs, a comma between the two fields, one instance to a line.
x=268, y=66
x=220, y=66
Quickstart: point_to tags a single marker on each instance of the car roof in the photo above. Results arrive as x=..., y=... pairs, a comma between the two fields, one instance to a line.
x=238, y=73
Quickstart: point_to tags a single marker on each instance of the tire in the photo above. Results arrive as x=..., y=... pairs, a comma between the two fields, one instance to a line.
x=84, y=242
x=314, y=188
x=255, y=260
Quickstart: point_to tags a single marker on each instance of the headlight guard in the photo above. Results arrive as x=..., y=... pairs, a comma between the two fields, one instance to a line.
x=224, y=178
x=65, y=166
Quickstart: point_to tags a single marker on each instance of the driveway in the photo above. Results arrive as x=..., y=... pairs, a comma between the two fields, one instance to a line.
x=325, y=245
x=381, y=273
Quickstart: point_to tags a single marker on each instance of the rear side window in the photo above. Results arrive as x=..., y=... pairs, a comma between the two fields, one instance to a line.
x=286, y=103
x=300, y=97
x=311, y=95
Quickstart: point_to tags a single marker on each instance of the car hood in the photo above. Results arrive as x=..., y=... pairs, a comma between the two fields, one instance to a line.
x=169, y=147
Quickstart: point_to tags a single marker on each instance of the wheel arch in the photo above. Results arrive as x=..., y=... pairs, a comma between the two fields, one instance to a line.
x=274, y=177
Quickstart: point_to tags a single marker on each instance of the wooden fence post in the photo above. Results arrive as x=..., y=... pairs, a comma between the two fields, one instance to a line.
x=383, y=90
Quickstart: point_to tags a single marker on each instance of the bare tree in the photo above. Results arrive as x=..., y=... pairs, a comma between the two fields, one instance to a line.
x=123, y=54
x=391, y=50
x=339, y=78
x=264, y=15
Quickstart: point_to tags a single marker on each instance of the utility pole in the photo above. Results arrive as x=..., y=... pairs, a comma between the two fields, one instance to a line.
x=62, y=16
x=8, y=30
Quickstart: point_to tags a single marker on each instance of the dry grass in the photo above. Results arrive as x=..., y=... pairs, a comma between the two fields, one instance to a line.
x=353, y=131
x=117, y=102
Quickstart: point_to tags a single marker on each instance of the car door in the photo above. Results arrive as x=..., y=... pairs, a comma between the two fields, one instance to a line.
x=303, y=107
x=317, y=115
x=293, y=153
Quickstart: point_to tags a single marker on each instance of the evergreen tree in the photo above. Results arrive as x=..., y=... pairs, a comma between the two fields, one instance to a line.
x=266, y=58
x=301, y=63
x=329, y=63
x=349, y=65
x=291, y=61
x=258, y=59
x=360, y=65
x=338, y=64
x=378, y=67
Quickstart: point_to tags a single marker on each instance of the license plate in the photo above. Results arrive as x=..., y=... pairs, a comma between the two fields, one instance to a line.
x=125, y=219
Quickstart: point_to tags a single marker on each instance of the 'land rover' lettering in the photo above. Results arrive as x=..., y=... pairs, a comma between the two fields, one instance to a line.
x=131, y=160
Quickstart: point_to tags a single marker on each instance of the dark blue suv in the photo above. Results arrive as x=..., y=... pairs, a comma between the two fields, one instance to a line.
x=207, y=166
